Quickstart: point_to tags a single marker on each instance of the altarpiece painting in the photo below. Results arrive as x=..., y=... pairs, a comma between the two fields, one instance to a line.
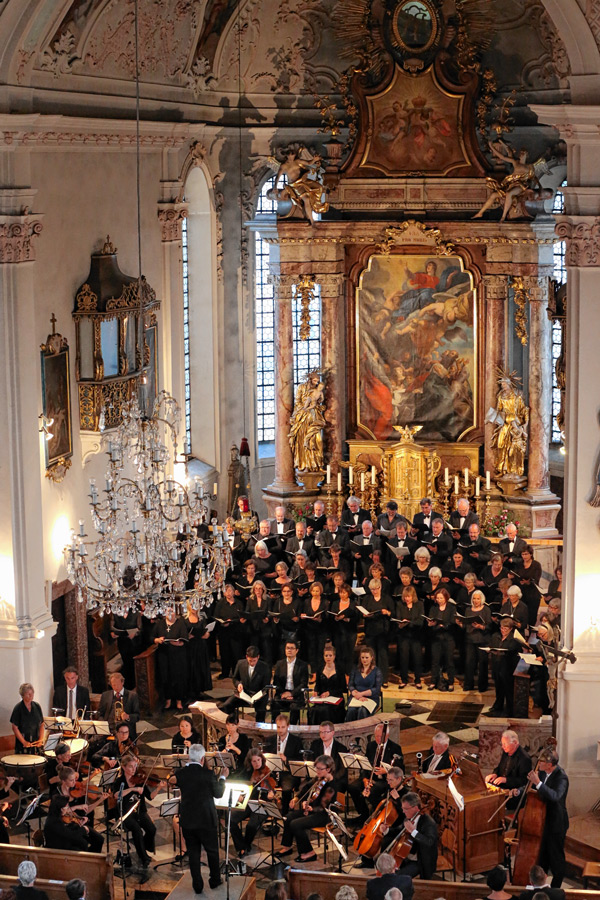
x=416, y=346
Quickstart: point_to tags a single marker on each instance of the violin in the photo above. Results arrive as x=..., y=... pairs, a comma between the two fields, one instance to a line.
x=314, y=795
x=263, y=777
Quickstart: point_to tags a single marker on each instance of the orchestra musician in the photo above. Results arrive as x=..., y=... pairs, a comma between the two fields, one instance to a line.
x=119, y=705
x=326, y=745
x=382, y=750
x=513, y=767
x=552, y=786
x=289, y=747
x=234, y=742
x=395, y=792
x=129, y=788
x=5, y=801
x=438, y=757
x=185, y=737
x=71, y=696
x=422, y=859
x=76, y=810
x=62, y=757
x=115, y=747
x=27, y=721
x=258, y=774
x=62, y=829
x=308, y=810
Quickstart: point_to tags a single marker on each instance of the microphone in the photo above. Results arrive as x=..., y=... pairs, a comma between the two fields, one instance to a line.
x=120, y=796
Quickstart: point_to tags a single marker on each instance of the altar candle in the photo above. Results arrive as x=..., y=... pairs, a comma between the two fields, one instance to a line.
x=446, y=477
x=362, y=481
x=350, y=475
x=328, y=474
x=456, y=484
x=340, y=482
x=214, y=489
x=477, y=486
x=487, y=481
x=373, y=475
x=466, y=478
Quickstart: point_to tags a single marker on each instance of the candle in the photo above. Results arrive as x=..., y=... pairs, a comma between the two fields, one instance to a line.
x=340, y=482
x=456, y=484
x=362, y=481
x=328, y=474
x=350, y=475
x=487, y=481
x=446, y=477
x=215, y=488
x=81, y=528
x=477, y=486
x=373, y=475
x=466, y=478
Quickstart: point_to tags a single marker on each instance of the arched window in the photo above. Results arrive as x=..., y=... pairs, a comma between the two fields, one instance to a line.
x=186, y=335
x=560, y=275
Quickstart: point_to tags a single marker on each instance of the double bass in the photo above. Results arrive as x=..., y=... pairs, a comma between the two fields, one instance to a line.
x=530, y=827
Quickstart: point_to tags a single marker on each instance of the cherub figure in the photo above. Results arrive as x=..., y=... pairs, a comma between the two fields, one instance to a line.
x=304, y=188
x=523, y=179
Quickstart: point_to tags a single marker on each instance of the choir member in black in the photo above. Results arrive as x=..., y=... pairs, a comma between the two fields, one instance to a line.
x=388, y=519
x=490, y=578
x=286, y=617
x=288, y=747
x=513, y=768
x=515, y=608
x=234, y=742
x=170, y=636
x=462, y=598
x=290, y=678
x=400, y=539
x=139, y=823
x=337, y=563
x=331, y=534
x=345, y=627
x=258, y=774
x=477, y=549
x=353, y=517
x=540, y=675
x=314, y=629
x=300, y=541
x=527, y=577
x=431, y=587
x=281, y=577
x=555, y=586
x=27, y=721
x=308, y=811
x=363, y=546
x=316, y=522
x=552, y=786
x=454, y=572
x=228, y=612
x=442, y=626
x=505, y=656
x=420, y=569
x=409, y=651
x=260, y=623
x=62, y=829
x=236, y=543
x=376, y=570
x=300, y=560
x=369, y=788
x=438, y=543
x=365, y=683
x=243, y=586
x=127, y=632
x=198, y=656
x=308, y=578
x=380, y=608
x=185, y=737
x=265, y=561
x=251, y=676
x=330, y=682
x=113, y=749
x=461, y=518
x=78, y=807
x=477, y=635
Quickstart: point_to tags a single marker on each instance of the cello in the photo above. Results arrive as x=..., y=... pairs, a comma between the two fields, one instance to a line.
x=368, y=840
x=530, y=826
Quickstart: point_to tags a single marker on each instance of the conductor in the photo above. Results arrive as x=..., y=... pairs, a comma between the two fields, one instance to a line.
x=198, y=816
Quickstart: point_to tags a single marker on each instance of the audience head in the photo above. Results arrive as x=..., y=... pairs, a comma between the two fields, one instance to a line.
x=276, y=890
x=76, y=889
x=346, y=893
x=537, y=876
x=394, y=893
x=27, y=872
x=385, y=863
x=496, y=879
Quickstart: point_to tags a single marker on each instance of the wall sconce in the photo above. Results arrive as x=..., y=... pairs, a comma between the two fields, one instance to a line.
x=45, y=429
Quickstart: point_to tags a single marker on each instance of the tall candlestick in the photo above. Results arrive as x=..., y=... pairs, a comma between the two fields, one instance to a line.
x=339, y=481
x=362, y=482
x=487, y=481
x=466, y=477
x=350, y=475
x=373, y=475
x=477, y=486
x=456, y=484
x=328, y=474
x=215, y=488
x=446, y=477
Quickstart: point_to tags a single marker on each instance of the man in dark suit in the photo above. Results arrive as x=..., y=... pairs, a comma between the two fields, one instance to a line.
x=552, y=787
x=514, y=766
x=71, y=696
x=424, y=833
x=332, y=534
x=301, y=541
x=289, y=747
x=251, y=675
x=118, y=694
x=538, y=883
x=511, y=546
x=353, y=516
x=316, y=522
x=461, y=518
x=391, y=754
x=291, y=680
x=423, y=521
x=281, y=523
x=477, y=549
x=395, y=563
x=439, y=544
x=388, y=877
x=326, y=745
x=362, y=547
x=438, y=758
x=197, y=814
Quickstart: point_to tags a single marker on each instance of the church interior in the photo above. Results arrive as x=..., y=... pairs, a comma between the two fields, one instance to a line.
x=333, y=264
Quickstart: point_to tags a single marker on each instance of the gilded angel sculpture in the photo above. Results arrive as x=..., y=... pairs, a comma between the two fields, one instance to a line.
x=306, y=424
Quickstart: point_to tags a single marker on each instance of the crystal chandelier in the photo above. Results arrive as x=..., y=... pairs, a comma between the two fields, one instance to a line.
x=153, y=549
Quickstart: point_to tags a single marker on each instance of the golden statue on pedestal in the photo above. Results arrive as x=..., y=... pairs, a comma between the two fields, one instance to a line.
x=306, y=424
x=304, y=188
x=511, y=418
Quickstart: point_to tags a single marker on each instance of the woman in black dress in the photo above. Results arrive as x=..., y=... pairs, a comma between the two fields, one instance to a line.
x=228, y=612
x=128, y=634
x=286, y=618
x=59, y=832
x=27, y=720
x=527, y=577
x=235, y=743
x=477, y=625
x=139, y=823
x=170, y=634
x=409, y=650
x=442, y=647
x=380, y=607
x=198, y=657
x=260, y=622
x=330, y=682
x=185, y=737
x=313, y=627
x=345, y=627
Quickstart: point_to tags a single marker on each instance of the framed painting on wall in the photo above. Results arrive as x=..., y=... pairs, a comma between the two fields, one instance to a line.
x=416, y=346
x=56, y=405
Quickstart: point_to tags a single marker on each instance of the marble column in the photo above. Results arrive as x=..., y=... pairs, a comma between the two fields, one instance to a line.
x=540, y=385
x=332, y=361
x=495, y=296
x=284, y=385
x=172, y=374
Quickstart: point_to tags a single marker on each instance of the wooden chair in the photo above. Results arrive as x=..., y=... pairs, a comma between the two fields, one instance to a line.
x=321, y=829
x=446, y=861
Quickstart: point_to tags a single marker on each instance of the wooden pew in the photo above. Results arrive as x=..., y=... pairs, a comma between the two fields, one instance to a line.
x=304, y=882
x=54, y=889
x=94, y=868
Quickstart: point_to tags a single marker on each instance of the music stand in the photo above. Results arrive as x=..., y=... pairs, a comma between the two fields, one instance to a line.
x=108, y=777
x=356, y=761
x=219, y=759
x=275, y=762
x=28, y=813
x=97, y=728
x=123, y=860
x=52, y=741
x=267, y=809
x=336, y=822
x=304, y=769
x=168, y=809
x=236, y=796
x=175, y=760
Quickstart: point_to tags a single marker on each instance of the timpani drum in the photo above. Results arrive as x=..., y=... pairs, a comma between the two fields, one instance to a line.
x=24, y=765
x=78, y=747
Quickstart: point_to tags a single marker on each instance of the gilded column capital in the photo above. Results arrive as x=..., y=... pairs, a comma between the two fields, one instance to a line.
x=170, y=216
x=496, y=287
x=16, y=238
x=536, y=287
x=582, y=237
x=282, y=284
x=331, y=284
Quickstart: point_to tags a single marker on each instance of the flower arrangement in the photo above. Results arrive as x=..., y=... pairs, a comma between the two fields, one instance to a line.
x=298, y=513
x=496, y=525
